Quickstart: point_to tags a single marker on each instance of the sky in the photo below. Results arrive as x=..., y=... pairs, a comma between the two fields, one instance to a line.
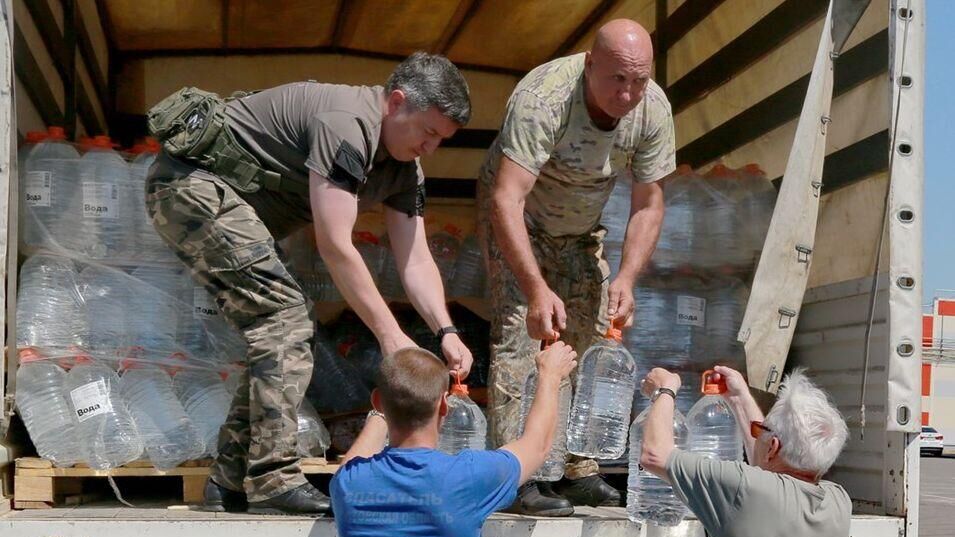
x=939, y=222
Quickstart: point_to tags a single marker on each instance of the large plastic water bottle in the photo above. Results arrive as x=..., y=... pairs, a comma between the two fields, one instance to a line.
x=166, y=430
x=313, y=438
x=335, y=385
x=203, y=394
x=676, y=247
x=464, y=427
x=104, y=426
x=553, y=467
x=671, y=320
x=719, y=230
x=101, y=216
x=725, y=306
x=50, y=314
x=148, y=243
x=470, y=278
x=47, y=177
x=601, y=412
x=713, y=430
x=649, y=498
x=108, y=296
x=756, y=207
x=365, y=357
x=155, y=292
x=44, y=409
x=444, y=246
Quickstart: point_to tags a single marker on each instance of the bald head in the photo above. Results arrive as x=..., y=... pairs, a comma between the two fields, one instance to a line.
x=624, y=38
x=618, y=69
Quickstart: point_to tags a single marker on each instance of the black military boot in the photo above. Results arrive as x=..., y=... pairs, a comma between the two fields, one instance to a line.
x=591, y=490
x=219, y=499
x=530, y=501
x=303, y=500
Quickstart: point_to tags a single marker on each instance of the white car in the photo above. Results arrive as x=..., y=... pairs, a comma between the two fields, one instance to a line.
x=931, y=441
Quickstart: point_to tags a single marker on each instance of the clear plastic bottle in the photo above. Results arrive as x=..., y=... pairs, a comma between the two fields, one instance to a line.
x=203, y=394
x=718, y=230
x=50, y=313
x=725, y=306
x=44, y=409
x=671, y=321
x=335, y=385
x=364, y=356
x=47, y=177
x=152, y=319
x=678, y=243
x=313, y=438
x=444, y=246
x=108, y=296
x=600, y=414
x=713, y=430
x=148, y=243
x=553, y=468
x=649, y=498
x=104, y=426
x=465, y=426
x=470, y=278
x=168, y=434
x=756, y=208
x=99, y=223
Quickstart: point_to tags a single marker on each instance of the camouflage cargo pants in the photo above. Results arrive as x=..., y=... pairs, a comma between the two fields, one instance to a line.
x=576, y=270
x=232, y=254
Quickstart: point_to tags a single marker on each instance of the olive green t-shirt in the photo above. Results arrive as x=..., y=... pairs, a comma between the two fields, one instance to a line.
x=734, y=499
x=332, y=130
x=548, y=131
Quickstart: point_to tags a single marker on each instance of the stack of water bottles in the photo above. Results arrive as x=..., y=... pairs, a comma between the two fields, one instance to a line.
x=121, y=355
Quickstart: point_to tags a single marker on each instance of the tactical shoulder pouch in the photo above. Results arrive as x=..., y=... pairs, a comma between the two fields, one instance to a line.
x=187, y=122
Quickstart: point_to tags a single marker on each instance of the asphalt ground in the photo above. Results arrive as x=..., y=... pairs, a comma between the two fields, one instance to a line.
x=937, y=495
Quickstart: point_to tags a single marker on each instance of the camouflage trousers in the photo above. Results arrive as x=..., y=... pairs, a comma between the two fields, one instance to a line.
x=576, y=270
x=232, y=254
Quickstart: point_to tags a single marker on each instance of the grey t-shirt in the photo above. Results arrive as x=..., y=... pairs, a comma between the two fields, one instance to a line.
x=332, y=130
x=734, y=499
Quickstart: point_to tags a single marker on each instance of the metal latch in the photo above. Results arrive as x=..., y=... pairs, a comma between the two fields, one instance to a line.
x=802, y=253
x=772, y=377
x=786, y=316
x=816, y=188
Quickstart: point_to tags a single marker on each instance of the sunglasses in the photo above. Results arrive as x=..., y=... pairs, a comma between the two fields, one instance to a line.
x=756, y=428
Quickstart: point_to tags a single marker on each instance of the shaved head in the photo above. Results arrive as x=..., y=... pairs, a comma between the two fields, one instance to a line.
x=618, y=69
x=625, y=39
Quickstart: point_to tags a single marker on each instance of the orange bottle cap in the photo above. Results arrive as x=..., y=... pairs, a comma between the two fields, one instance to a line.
x=56, y=133
x=710, y=387
x=35, y=137
x=29, y=354
x=458, y=388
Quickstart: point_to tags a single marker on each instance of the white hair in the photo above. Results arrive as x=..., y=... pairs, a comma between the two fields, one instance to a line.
x=809, y=427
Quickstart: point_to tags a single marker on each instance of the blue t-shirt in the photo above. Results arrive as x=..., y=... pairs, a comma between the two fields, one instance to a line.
x=419, y=491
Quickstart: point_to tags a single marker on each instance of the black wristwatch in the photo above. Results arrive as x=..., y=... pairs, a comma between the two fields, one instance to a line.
x=445, y=331
x=660, y=391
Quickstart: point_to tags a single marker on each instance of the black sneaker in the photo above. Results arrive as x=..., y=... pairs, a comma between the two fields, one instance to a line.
x=303, y=500
x=591, y=490
x=530, y=501
x=218, y=499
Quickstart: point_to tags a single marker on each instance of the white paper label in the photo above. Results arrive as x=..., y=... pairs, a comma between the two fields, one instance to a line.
x=690, y=311
x=39, y=189
x=100, y=200
x=203, y=305
x=91, y=400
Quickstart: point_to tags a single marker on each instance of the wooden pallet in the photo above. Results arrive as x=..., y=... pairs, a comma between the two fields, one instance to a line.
x=37, y=484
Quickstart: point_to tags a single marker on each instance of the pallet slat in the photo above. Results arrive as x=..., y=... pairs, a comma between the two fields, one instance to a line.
x=40, y=485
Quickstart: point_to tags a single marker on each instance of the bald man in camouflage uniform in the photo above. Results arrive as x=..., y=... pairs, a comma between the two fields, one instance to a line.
x=571, y=127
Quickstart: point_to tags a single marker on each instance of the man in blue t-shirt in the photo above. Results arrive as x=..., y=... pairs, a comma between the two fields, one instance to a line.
x=410, y=488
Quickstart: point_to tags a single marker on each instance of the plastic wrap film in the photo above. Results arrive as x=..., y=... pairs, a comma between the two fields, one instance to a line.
x=87, y=204
x=313, y=438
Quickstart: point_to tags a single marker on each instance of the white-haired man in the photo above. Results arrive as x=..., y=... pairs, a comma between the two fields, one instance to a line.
x=790, y=449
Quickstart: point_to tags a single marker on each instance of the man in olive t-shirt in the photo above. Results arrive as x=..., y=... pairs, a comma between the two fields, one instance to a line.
x=286, y=157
